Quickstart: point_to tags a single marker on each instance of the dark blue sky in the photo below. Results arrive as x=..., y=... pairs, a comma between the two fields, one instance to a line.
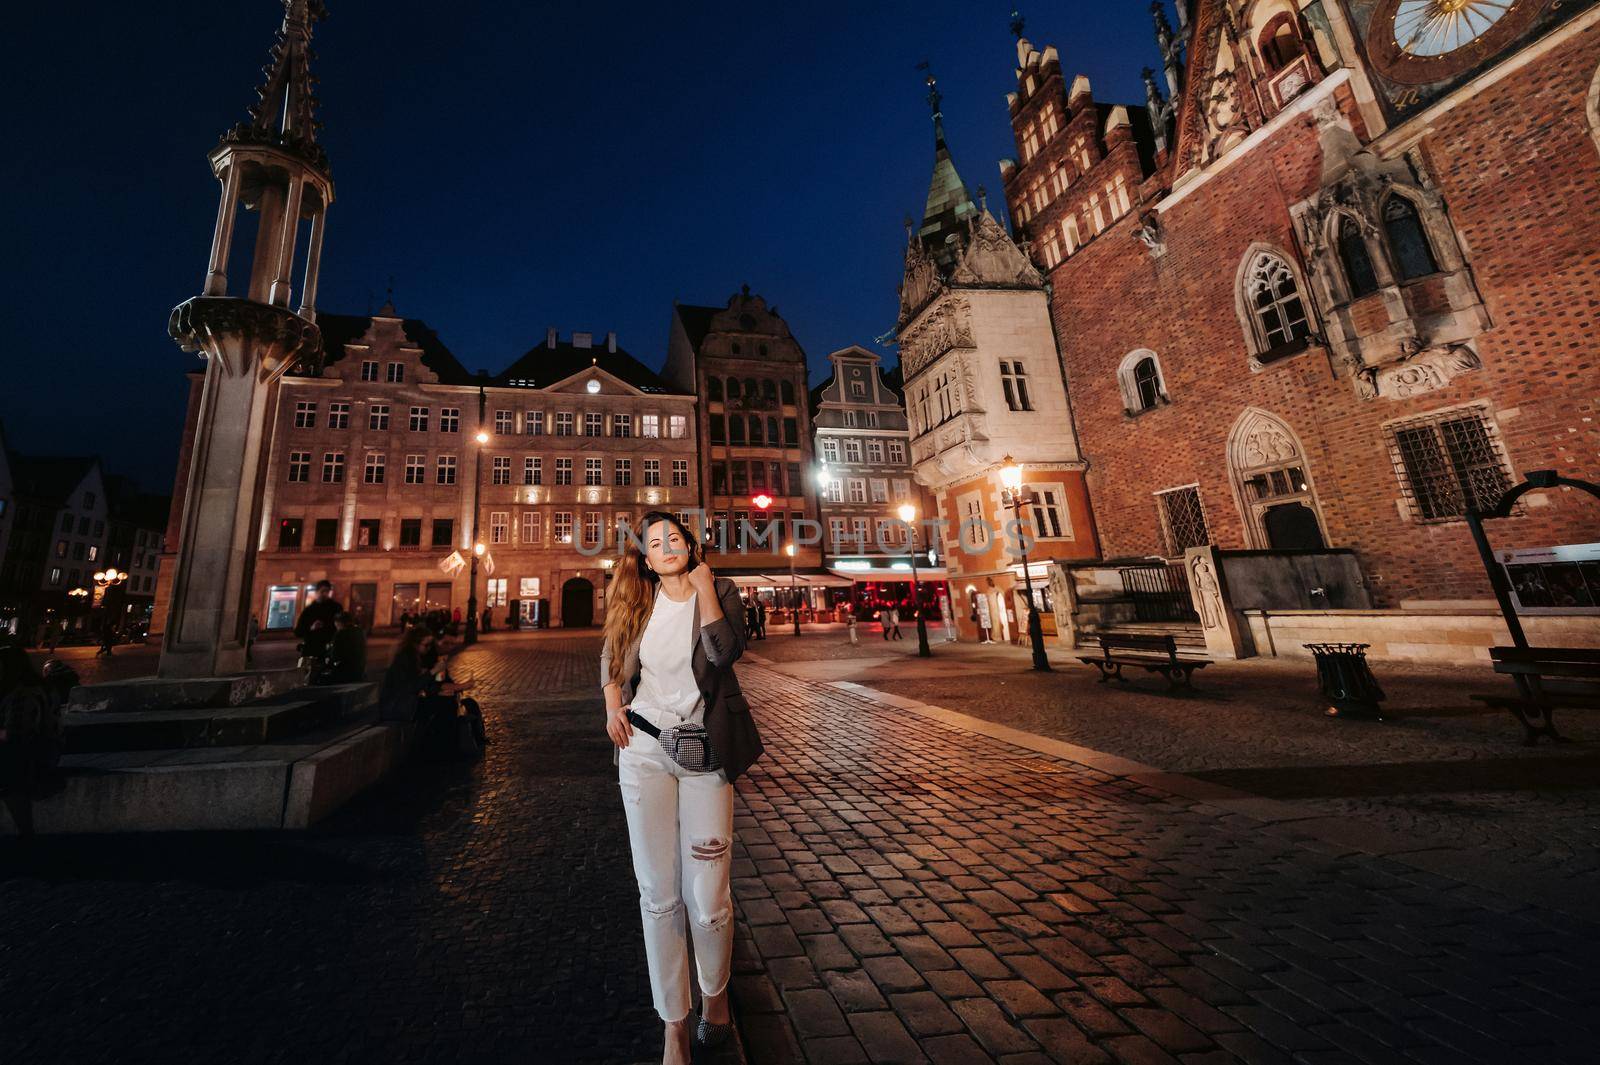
x=513, y=165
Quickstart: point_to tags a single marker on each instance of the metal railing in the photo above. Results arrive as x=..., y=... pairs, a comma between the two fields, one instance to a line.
x=1160, y=592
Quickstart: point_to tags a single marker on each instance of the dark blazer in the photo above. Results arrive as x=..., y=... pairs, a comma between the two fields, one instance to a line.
x=715, y=649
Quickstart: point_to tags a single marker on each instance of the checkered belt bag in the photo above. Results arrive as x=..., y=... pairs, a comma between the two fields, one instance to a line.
x=688, y=745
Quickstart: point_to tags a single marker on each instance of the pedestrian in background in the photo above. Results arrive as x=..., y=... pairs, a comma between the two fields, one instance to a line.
x=30, y=737
x=347, y=654
x=894, y=624
x=850, y=618
x=761, y=619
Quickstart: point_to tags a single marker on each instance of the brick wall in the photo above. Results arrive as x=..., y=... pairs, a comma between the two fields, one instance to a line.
x=1519, y=172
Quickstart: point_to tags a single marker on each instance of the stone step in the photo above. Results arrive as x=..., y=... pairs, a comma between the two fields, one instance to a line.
x=262, y=786
x=279, y=719
x=184, y=693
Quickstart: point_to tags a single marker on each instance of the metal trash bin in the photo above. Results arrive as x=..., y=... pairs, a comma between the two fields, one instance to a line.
x=1346, y=680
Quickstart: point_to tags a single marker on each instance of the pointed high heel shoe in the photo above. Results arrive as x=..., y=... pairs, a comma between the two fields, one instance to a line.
x=707, y=1034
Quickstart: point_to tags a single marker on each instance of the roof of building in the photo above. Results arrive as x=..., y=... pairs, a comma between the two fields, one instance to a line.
x=127, y=502
x=696, y=321
x=341, y=329
x=49, y=478
x=544, y=365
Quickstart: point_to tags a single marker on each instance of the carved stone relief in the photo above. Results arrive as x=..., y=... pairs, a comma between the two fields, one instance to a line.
x=1207, y=591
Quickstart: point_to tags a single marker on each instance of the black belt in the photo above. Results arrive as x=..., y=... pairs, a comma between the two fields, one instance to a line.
x=646, y=727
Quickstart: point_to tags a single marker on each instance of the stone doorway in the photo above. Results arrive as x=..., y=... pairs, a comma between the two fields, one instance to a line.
x=577, y=603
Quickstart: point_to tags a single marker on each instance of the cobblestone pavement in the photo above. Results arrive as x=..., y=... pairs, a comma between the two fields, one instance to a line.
x=1443, y=768
x=459, y=913
x=909, y=891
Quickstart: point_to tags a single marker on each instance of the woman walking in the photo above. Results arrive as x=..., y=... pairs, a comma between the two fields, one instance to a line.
x=684, y=734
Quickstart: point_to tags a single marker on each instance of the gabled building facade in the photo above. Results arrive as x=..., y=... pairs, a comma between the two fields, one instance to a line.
x=864, y=475
x=983, y=387
x=1332, y=288
x=392, y=461
x=749, y=373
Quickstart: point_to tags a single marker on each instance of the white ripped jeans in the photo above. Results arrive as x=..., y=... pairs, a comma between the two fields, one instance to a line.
x=680, y=827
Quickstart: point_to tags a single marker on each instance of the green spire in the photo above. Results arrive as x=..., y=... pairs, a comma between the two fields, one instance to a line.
x=949, y=205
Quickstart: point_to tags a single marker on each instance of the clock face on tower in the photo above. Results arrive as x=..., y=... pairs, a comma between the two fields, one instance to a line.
x=1414, y=42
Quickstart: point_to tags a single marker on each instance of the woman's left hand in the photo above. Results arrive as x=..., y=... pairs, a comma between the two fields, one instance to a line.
x=702, y=580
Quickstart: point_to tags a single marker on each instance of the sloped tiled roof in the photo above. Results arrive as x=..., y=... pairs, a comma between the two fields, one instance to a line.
x=543, y=366
x=341, y=329
x=696, y=322
x=49, y=477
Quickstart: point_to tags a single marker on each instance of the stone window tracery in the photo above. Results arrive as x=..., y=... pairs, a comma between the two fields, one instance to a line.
x=1273, y=307
x=1413, y=258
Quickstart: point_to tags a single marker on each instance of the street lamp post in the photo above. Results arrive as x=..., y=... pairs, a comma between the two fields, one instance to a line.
x=1011, y=477
x=794, y=588
x=470, y=637
x=908, y=514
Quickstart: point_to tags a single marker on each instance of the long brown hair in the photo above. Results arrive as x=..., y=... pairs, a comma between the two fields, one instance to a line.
x=633, y=588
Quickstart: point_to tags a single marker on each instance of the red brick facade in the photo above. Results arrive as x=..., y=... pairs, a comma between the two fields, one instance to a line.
x=1514, y=158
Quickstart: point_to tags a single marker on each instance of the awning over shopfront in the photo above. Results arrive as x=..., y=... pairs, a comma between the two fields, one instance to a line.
x=879, y=576
x=801, y=579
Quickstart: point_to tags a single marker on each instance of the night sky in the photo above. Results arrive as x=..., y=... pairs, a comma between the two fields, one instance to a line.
x=513, y=166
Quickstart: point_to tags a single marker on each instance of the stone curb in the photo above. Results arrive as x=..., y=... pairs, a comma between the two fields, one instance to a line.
x=1338, y=835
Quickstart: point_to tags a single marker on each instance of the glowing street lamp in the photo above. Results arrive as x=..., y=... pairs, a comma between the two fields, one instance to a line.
x=908, y=514
x=1011, y=477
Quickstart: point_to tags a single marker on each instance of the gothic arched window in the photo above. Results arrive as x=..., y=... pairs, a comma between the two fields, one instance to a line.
x=751, y=390
x=733, y=388
x=735, y=430
x=773, y=439
x=787, y=391
x=769, y=390
x=1146, y=383
x=1277, y=309
x=713, y=388
x=1356, y=260
x=1413, y=257
x=1140, y=381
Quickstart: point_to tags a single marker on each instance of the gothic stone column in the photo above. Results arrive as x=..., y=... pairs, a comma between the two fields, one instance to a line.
x=248, y=347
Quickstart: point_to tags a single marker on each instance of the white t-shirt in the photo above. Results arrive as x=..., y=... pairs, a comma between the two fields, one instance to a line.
x=668, y=693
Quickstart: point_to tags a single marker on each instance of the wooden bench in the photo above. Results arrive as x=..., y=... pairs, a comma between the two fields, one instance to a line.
x=1158, y=654
x=1547, y=678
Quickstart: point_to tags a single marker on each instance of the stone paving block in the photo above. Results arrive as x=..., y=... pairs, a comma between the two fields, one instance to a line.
x=923, y=952
x=814, y=1013
x=885, y=1038
x=1020, y=999
x=925, y=1013
x=981, y=963
x=836, y=1050
x=955, y=1050
x=853, y=990
x=991, y=1027
x=893, y=973
x=1062, y=1041
x=769, y=1038
x=1137, y=1050
x=865, y=940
